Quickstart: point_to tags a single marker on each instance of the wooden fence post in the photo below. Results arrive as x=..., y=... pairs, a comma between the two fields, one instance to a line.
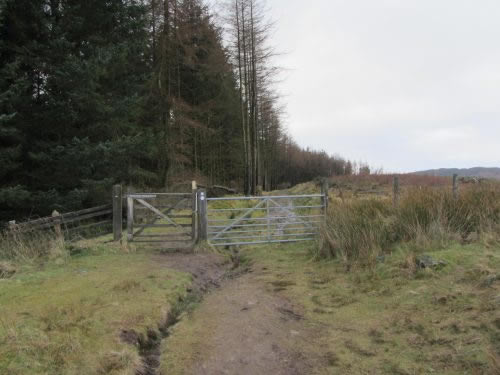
x=194, y=224
x=117, y=213
x=324, y=192
x=455, y=186
x=57, y=224
x=202, y=215
x=396, y=191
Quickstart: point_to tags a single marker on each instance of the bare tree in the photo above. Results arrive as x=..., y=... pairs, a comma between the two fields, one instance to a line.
x=249, y=31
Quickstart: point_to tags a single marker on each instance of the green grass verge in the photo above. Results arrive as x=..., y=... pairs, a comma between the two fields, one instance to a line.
x=67, y=318
x=395, y=318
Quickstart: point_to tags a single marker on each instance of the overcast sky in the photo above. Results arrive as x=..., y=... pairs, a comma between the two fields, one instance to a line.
x=401, y=84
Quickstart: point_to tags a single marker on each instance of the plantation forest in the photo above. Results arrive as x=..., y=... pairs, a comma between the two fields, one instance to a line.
x=143, y=93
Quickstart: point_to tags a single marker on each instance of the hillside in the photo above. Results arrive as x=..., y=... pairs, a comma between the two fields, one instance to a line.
x=464, y=172
x=412, y=289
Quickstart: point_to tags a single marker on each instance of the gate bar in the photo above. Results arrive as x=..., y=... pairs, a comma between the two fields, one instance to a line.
x=259, y=209
x=261, y=242
x=267, y=197
x=241, y=218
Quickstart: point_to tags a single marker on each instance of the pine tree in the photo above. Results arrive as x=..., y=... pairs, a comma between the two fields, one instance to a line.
x=71, y=80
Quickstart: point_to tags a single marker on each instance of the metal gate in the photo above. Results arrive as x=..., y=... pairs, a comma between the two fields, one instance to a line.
x=267, y=219
x=168, y=219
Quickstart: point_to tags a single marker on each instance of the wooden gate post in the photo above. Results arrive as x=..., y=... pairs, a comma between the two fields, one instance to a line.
x=324, y=191
x=455, y=186
x=117, y=213
x=202, y=215
x=395, y=191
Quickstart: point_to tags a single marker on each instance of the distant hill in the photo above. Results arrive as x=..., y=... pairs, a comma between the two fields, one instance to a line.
x=471, y=172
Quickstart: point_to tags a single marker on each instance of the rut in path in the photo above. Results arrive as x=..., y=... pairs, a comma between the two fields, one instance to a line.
x=208, y=270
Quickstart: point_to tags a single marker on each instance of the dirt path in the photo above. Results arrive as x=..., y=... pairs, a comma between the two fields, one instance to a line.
x=242, y=327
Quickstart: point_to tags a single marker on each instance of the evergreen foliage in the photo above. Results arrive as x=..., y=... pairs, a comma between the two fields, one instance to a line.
x=137, y=92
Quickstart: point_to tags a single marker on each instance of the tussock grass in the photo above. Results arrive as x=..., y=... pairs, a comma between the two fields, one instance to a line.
x=357, y=231
x=25, y=247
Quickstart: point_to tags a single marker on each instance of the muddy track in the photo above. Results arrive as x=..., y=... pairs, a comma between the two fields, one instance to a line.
x=243, y=325
x=255, y=332
x=246, y=326
x=208, y=271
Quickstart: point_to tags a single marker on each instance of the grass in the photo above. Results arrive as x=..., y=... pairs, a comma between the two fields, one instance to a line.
x=395, y=318
x=357, y=231
x=66, y=317
x=26, y=247
x=62, y=308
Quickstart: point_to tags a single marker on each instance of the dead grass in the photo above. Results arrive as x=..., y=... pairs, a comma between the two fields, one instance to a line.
x=386, y=180
x=358, y=231
x=26, y=247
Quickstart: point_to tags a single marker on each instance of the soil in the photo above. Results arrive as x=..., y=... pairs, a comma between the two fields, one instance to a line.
x=252, y=330
x=255, y=332
x=208, y=270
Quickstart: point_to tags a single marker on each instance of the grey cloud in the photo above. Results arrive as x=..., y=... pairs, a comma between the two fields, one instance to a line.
x=408, y=84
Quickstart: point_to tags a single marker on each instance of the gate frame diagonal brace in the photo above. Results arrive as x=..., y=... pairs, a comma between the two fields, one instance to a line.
x=156, y=211
x=241, y=218
x=287, y=210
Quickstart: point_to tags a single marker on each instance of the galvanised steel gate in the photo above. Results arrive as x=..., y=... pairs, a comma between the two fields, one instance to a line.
x=266, y=219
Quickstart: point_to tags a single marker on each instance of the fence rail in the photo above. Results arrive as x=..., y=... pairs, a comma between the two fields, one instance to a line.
x=83, y=223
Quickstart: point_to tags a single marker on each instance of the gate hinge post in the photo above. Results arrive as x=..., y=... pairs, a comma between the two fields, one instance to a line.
x=130, y=219
x=202, y=214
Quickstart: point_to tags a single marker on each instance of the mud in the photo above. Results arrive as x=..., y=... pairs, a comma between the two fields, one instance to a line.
x=253, y=330
x=207, y=270
x=245, y=328
x=256, y=332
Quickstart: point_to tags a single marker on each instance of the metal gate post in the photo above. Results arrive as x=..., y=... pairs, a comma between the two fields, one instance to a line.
x=268, y=221
x=202, y=215
x=130, y=219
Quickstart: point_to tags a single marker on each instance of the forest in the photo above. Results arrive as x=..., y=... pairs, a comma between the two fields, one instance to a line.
x=146, y=93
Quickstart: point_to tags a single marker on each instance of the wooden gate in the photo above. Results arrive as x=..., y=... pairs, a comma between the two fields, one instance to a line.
x=167, y=219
